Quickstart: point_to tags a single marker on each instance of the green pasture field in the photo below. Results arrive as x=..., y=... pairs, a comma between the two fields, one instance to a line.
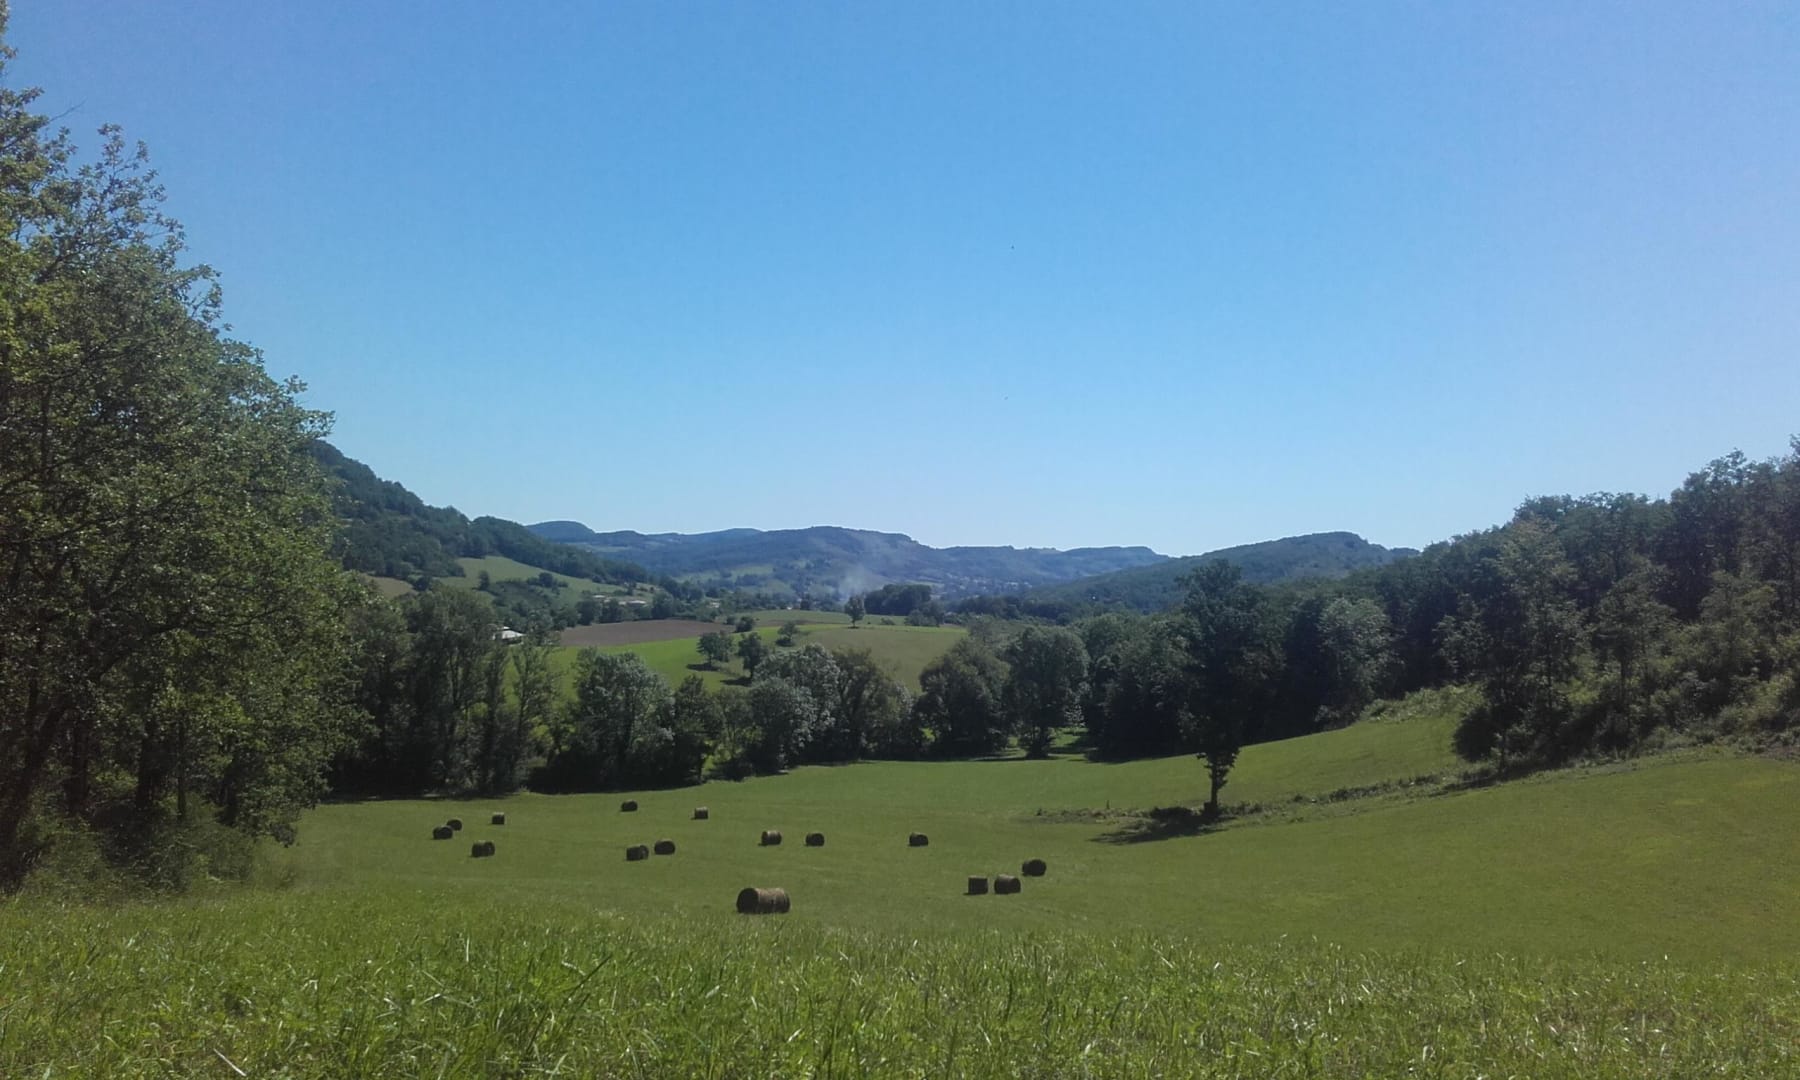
x=1698, y=859
x=901, y=650
x=1613, y=922
x=391, y=587
x=501, y=568
x=1626, y=920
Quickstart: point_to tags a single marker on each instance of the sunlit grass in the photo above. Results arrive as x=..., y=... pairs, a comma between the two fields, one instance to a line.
x=1630, y=920
x=306, y=985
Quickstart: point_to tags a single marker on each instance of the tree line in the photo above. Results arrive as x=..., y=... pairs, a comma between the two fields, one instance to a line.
x=1590, y=625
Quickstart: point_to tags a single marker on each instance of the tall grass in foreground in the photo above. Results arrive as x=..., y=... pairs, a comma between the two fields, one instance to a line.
x=307, y=985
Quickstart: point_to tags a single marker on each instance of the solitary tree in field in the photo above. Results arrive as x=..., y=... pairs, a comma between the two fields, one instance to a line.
x=715, y=648
x=1227, y=660
x=855, y=609
x=752, y=650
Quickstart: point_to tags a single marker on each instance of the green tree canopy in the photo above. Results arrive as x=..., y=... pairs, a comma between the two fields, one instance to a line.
x=168, y=615
x=1047, y=673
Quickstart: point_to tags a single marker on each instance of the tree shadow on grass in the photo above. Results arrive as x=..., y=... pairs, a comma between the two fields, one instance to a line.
x=1163, y=823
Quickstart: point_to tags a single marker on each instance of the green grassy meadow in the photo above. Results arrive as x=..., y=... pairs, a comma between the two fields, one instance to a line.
x=501, y=568
x=354, y=986
x=1626, y=920
x=903, y=651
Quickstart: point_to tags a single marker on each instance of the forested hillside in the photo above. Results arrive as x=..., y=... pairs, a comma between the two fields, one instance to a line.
x=390, y=532
x=1602, y=624
x=830, y=563
x=1157, y=587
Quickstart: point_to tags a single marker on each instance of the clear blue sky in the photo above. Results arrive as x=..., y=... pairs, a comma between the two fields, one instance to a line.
x=1186, y=275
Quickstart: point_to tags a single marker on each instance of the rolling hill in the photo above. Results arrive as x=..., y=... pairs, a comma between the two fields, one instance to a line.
x=390, y=532
x=1271, y=562
x=832, y=561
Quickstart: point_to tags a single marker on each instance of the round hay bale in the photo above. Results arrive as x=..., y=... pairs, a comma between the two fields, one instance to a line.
x=629, y=806
x=917, y=839
x=636, y=852
x=481, y=849
x=762, y=902
x=700, y=813
x=455, y=824
x=977, y=886
x=489, y=845
x=498, y=819
x=771, y=837
x=1033, y=868
x=442, y=832
x=1005, y=884
x=665, y=847
x=815, y=839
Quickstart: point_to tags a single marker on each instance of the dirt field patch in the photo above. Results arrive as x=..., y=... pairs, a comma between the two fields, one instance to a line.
x=636, y=633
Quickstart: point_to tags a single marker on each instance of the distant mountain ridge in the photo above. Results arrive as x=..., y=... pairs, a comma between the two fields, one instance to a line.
x=389, y=531
x=1269, y=562
x=827, y=560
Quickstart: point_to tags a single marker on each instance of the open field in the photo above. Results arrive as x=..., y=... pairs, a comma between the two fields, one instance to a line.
x=635, y=632
x=391, y=587
x=902, y=650
x=672, y=658
x=1619, y=921
x=501, y=568
x=1696, y=859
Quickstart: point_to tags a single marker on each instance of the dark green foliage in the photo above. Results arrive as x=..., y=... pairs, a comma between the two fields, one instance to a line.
x=1046, y=677
x=387, y=530
x=715, y=648
x=433, y=683
x=1230, y=667
x=625, y=729
x=752, y=650
x=783, y=718
x=1142, y=710
x=900, y=600
x=814, y=670
x=169, y=644
x=873, y=714
x=1158, y=586
x=961, y=700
